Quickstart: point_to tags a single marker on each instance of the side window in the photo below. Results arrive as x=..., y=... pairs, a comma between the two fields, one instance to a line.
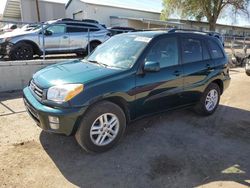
x=206, y=55
x=216, y=51
x=77, y=28
x=165, y=52
x=191, y=50
x=56, y=29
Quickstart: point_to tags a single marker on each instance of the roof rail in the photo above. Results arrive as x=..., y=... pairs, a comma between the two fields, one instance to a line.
x=188, y=30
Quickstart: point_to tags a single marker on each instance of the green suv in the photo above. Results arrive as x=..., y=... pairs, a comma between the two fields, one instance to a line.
x=129, y=76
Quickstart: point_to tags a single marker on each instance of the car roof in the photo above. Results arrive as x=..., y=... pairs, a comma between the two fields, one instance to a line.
x=153, y=34
x=150, y=34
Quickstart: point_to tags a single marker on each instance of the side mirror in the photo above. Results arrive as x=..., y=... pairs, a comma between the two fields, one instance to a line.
x=151, y=66
x=47, y=33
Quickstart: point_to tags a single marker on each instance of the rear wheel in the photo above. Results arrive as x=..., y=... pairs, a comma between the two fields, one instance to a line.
x=21, y=51
x=101, y=127
x=93, y=45
x=209, y=101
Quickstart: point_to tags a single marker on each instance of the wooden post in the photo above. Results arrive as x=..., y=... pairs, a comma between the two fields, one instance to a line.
x=37, y=10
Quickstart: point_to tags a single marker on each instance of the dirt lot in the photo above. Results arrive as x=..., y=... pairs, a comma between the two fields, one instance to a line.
x=174, y=149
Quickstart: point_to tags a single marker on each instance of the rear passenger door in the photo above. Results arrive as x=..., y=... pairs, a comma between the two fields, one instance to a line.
x=78, y=36
x=197, y=67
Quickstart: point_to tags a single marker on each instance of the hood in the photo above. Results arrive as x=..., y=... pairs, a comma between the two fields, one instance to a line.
x=16, y=33
x=76, y=71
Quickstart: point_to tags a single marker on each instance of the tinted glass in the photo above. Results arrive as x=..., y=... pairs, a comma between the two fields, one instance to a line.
x=191, y=50
x=74, y=28
x=71, y=29
x=56, y=29
x=165, y=52
x=216, y=51
x=206, y=55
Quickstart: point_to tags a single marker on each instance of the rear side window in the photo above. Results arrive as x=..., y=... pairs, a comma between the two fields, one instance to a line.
x=165, y=51
x=76, y=28
x=192, y=50
x=216, y=51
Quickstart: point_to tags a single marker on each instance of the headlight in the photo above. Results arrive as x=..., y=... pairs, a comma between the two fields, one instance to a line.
x=63, y=93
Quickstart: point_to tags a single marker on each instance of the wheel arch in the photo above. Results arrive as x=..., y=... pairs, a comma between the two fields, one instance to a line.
x=220, y=84
x=119, y=101
x=35, y=47
x=95, y=41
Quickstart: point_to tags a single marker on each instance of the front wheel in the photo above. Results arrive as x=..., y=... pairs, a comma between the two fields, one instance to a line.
x=101, y=127
x=21, y=51
x=209, y=101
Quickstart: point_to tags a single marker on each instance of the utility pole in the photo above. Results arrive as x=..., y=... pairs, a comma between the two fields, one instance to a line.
x=37, y=10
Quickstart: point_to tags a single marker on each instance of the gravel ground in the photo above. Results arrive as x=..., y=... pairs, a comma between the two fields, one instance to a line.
x=174, y=149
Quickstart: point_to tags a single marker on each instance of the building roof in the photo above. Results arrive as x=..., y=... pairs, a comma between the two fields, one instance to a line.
x=12, y=8
x=145, y=5
x=148, y=20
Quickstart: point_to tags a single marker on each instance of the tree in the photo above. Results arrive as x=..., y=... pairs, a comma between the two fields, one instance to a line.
x=198, y=9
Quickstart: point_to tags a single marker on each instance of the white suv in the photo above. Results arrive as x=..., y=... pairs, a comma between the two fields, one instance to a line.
x=60, y=36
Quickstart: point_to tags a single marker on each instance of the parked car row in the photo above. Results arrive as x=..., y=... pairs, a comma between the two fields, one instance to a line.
x=58, y=36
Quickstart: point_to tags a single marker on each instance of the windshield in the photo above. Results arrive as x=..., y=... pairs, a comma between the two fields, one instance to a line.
x=120, y=51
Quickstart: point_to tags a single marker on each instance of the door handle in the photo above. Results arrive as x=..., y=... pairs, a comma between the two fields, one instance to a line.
x=209, y=68
x=176, y=73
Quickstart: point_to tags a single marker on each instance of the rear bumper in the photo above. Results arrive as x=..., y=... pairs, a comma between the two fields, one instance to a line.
x=67, y=117
x=226, y=82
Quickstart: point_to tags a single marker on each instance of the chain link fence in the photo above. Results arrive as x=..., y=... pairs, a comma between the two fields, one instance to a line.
x=71, y=39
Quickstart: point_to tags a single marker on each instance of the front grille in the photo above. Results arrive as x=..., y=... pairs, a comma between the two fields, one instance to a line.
x=37, y=91
x=31, y=110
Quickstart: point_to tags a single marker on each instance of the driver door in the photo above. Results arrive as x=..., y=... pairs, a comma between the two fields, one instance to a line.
x=159, y=91
x=56, y=38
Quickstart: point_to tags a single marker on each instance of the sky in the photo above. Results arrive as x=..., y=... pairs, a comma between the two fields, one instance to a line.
x=226, y=17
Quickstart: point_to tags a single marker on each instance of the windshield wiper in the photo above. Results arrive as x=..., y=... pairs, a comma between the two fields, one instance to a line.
x=103, y=64
x=96, y=62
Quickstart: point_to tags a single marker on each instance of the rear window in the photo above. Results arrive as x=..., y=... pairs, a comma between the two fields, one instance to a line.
x=216, y=51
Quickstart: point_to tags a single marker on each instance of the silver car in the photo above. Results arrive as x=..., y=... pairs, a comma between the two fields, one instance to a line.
x=60, y=36
x=247, y=66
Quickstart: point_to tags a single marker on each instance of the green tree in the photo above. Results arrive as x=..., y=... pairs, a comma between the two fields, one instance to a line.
x=198, y=9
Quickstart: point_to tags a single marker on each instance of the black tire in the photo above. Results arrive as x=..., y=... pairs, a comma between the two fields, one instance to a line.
x=83, y=136
x=247, y=72
x=200, y=107
x=21, y=51
x=93, y=45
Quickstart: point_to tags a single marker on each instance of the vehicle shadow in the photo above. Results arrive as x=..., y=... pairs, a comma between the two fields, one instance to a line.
x=173, y=149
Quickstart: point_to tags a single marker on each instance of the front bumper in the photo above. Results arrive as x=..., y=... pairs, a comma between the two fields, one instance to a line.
x=248, y=66
x=67, y=116
x=5, y=48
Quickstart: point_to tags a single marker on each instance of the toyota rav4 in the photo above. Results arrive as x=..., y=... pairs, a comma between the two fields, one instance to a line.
x=129, y=76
